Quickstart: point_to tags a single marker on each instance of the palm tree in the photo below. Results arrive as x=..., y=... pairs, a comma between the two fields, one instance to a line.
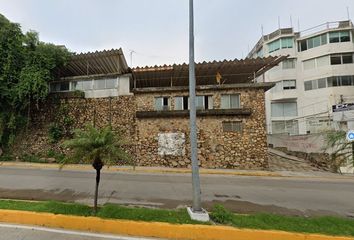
x=97, y=146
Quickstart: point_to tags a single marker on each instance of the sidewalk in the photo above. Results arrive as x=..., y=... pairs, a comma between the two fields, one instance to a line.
x=162, y=170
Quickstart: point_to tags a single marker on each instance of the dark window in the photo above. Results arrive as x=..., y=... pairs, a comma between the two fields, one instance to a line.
x=334, y=37
x=64, y=86
x=303, y=45
x=162, y=103
x=165, y=101
x=344, y=36
x=332, y=82
x=346, y=80
x=185, y=102
x=321, y=83
x=206, y=102
x=234, y=126
x=347, y=58
x=336, y=59
x=308, y=85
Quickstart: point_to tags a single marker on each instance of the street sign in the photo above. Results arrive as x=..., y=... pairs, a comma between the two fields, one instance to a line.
x=343, y=107
x=350, y=135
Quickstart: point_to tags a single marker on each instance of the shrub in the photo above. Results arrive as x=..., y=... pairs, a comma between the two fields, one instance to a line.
x=220, y=215
x=55, y=132
x=59, y=157
x=6, y=158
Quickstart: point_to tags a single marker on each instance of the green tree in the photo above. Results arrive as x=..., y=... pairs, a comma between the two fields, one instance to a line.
x=341, y=149
x=97, y=146
x=26, y=67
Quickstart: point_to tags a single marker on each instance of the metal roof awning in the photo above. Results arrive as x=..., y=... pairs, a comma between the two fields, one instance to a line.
x=207, y=73
x=106, y=62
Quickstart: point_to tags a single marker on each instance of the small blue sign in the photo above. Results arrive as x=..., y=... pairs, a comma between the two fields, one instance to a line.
x=350, y=135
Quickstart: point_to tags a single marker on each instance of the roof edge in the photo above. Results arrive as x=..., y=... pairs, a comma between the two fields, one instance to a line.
x=265, y=86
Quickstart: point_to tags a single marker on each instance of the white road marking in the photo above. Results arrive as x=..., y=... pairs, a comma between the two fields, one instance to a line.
x=87, y=234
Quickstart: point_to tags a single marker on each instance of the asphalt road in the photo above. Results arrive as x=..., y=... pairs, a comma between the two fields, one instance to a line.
x=18, y=232
x=284, y=195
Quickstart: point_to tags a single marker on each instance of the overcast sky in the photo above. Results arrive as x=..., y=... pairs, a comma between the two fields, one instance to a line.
x=157, y=30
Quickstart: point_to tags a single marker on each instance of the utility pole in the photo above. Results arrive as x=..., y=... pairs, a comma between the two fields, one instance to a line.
x=196, y=212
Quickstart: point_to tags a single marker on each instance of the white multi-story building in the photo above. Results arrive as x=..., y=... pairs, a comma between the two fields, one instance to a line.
x=318, y=73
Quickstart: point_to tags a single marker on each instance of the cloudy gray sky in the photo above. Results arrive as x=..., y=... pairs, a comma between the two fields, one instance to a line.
x=157, y=30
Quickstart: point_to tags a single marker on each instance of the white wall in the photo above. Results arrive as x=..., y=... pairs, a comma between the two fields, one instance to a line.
x=313, y=101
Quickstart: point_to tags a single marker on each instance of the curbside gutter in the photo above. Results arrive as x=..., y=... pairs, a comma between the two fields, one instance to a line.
x=152, y=229
x=129, y=169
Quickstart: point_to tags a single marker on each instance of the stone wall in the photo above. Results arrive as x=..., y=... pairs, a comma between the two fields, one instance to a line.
x=216, y=148
x=119, y=111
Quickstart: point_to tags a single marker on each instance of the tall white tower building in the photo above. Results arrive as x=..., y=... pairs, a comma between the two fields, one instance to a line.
x=318, y=73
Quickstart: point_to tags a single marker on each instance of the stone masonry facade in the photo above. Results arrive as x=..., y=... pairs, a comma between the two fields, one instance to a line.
x=245, y=149
x=216, y=149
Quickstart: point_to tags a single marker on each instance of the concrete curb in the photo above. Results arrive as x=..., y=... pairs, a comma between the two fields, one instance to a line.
x=152, y=229
x=86, y=167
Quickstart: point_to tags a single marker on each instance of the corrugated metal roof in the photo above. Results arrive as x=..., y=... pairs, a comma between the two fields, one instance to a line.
x=231, y=71
x=95, y=63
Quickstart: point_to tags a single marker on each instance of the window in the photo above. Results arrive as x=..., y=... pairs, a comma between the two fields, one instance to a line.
x=344, y=36
x=346, y=58
x=335, y=37
x=289, y=84
x=260, y=53
x=346, y=80
x=201, y=102
x=162, y=103
x=204, y=102
x=111, y=83
x=284, y=85
x=87, y=85
x=336, y=59
x=178, y=103
x=230, y=101
x=309, y=64
x=291, y=127
x=312, y=42
x=308, y=85
x=99, y=84
x=287, y=42
x=76, y=85
x=232, y=126
x=321, y=83
x=332, y=82
x=323, y=39
x=303, y=45
x=274, y=46
x=322, y=61
x=283, y=109
x=289, y=63
x=60, y=87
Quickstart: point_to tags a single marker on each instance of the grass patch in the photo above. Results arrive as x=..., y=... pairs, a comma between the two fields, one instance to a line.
x=145, y=214
x=47, y=206
x=324, y=225
x=111, y=211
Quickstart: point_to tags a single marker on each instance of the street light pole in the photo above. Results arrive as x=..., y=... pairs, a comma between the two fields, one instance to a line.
x=196, y=207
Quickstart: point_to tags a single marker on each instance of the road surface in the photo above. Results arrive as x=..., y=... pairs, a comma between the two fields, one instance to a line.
x=20, y=232
x=282, y=195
